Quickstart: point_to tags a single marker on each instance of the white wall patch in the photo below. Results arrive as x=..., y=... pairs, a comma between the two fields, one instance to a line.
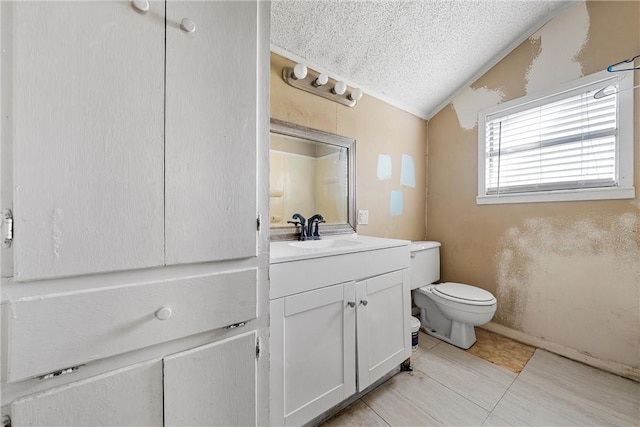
x=561, y=40
x=470, y=101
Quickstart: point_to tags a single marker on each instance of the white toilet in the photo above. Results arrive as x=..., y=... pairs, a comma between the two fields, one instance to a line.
x=448, y=311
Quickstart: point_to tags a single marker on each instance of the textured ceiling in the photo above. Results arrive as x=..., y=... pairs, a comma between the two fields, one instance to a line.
x=413, y=54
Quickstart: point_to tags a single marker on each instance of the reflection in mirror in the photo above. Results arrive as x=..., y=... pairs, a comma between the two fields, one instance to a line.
x=307, y=177
x=311, y=172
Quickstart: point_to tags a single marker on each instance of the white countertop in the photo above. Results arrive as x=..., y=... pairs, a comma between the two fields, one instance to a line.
x=293, y=250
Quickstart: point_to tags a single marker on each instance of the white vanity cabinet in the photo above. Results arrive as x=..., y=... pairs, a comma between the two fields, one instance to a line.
x=339, y=322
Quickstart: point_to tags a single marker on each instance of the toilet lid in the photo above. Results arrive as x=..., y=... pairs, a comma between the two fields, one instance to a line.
x=459, y=291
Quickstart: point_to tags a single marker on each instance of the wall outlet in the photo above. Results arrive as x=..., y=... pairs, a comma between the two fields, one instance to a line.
x=363, y=217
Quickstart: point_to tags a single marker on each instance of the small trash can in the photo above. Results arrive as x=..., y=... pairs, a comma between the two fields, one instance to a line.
x=415, y=327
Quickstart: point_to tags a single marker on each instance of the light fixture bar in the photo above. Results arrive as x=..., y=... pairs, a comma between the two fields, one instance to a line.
x=325, y=90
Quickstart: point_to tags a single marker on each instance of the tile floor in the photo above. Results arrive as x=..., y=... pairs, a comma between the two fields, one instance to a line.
x=450, y=387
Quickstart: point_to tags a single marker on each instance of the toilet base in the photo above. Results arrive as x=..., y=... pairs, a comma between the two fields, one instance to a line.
x=461, y=335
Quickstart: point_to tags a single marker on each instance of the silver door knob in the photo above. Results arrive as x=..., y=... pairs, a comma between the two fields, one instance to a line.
x=140, y=6
x=351, y=304
x=364, y=302
x=187, y=25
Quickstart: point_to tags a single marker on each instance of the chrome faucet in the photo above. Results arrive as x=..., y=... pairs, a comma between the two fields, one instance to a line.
x=313, y=231
x=298, y=220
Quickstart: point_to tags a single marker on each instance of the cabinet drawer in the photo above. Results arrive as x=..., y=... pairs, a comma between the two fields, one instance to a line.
x=56, y=331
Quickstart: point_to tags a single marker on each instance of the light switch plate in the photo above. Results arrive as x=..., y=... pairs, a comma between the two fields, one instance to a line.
x=363, y=217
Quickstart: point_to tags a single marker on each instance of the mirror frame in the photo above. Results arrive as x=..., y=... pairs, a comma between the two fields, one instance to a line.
x=290, y=129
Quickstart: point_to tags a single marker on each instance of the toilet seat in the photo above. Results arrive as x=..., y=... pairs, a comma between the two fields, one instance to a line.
x=463, y=294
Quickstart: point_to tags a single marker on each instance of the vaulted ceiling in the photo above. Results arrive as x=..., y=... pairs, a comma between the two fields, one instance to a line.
x=413, y=54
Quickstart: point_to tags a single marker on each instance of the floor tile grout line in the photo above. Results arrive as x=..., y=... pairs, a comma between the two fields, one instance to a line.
x=375, y=412
x=453, y=391
x=489, y=412
x=507, y=390
x=408, y=399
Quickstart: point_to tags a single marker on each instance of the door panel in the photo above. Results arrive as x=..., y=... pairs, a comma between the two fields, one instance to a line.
x=383, y=336
x=316, y=339
x=89, y=94
x=212, y=385
x=211, y=111
x=126, y=397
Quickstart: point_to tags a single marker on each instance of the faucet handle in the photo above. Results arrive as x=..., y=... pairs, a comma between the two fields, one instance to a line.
x=316, y=230
x=299, y=217
x=301, y=224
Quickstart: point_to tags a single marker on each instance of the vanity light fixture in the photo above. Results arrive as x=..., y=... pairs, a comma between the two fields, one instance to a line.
x=340, y=88
x=322, y=79
x=299, y=71
x=356, y=94
x=318, y=84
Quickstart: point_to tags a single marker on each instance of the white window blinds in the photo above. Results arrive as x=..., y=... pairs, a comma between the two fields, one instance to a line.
x=565, y=141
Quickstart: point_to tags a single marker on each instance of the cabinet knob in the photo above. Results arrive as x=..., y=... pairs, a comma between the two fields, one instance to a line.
x=187, y=25
x=140, y=6
x=364, y=302
x=351, y=304
x=164, y=313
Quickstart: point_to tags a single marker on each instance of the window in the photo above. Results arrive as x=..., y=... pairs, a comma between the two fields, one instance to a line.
x=575, y=143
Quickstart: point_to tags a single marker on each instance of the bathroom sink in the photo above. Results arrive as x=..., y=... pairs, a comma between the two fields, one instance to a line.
x=325, y=244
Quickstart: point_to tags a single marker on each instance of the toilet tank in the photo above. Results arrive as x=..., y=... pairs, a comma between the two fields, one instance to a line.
x=425, y=263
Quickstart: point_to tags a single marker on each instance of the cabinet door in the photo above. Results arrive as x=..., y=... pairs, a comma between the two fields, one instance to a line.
x=384, y=334
x=211, y=140
x=126, y=397
x=212, y=385
x=312, y=353
x=88, y=103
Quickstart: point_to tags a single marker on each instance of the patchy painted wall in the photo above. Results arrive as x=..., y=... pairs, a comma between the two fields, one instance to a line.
x=379, y=130
x=568, y=273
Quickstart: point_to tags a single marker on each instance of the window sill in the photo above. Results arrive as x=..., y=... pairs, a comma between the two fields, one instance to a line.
x=560, y=196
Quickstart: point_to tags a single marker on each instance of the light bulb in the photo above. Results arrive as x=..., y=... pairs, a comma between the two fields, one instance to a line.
x=340, y=88
x=322, y=79
x=356, y=95
x=299, y=71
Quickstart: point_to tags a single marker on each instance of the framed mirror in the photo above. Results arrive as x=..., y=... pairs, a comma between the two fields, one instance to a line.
x=311, y=172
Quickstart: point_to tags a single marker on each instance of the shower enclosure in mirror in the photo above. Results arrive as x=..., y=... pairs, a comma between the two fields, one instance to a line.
x=311, y=172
